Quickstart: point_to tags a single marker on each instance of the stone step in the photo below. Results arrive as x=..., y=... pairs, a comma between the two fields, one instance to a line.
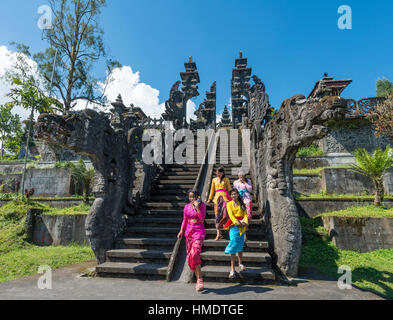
x=174, y=192
x=178, y=169
x=181, y=186
x=160, y=198
x=250, y=232
x=179, y=177
x=184, y=181
x=221, y=273
x=165, y=205
x=254, y=221
x=184, y=166
x=145, y=241
x=129, y=268
x=180, y=173
x=258, y=257
x=250, y=245
x=152, y=230
x=157, y=220
x=254, y=206
x=121, y=255
x=161, y=212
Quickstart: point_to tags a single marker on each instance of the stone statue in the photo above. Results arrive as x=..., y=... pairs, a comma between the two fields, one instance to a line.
x=174, y=106
x=111, y=146
x=297, y=124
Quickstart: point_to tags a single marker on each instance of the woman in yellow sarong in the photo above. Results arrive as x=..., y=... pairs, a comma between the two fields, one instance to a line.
x=219, y=194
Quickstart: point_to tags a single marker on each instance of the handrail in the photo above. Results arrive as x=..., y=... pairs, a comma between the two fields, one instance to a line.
x=175, y=252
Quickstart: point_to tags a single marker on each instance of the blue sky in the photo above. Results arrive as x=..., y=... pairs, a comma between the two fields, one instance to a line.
x=289, y=44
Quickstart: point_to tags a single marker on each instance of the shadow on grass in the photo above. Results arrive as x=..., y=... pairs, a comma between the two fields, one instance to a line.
x=320, y=254
x=377, y=278
x=239, y=288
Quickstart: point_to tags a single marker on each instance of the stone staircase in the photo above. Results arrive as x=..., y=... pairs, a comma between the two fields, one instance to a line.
x=145, y=249
x=216, y=264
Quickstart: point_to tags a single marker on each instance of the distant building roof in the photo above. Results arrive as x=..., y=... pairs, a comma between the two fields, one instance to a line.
x=328, y=86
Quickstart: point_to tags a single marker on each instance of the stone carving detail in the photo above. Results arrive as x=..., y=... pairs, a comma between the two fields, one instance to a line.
x=259, y=107
x=206, y=113
x=240, y=85
x=297, y=124
x=109, y=141
x=176, y=106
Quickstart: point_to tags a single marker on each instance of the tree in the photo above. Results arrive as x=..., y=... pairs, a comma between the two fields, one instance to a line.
x=26, y=94
x=10, y=129
x=75, y=40
x=84, y=176
x=384, y=87
x=374, y=166
x=381, y=116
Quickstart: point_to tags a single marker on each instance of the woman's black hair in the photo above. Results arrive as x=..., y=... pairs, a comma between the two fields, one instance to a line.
x=195, y=192
x=221, y=169
x=242, y=205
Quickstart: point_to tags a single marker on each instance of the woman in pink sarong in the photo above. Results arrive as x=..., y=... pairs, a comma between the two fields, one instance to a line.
x=194, y=231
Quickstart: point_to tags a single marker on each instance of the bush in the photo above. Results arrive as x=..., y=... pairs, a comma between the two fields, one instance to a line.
x=313, y=150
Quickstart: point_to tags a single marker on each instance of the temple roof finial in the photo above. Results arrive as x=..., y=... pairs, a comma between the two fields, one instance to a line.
x=189, y=59
x=240, y=55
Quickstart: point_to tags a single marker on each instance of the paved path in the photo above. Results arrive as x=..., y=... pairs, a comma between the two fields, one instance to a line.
x=67, y=284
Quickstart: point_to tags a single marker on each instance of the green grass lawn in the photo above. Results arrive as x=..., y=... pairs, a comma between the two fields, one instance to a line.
x=18, y=258
x=316, y=171
x=82, y=208
x=361, y=212
x=372, y=271
x=328, y=196
x=24, y=262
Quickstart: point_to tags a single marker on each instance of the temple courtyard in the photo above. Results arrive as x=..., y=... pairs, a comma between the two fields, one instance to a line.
x=68, y=283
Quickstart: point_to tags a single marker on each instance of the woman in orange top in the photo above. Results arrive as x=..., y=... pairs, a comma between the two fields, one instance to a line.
x=220, y=196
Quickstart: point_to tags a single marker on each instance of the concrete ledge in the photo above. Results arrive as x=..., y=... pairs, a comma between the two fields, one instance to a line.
x=58, y=230
x=54, y=203
x=329, y=160
x=360, y=234
x=312, y=207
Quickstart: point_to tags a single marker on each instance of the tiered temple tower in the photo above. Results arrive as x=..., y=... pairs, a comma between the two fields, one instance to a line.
x=240, y=84
x=226, y=120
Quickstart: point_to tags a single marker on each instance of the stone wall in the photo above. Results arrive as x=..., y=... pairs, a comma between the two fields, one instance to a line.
x=9, y=181
x=350, y=135
x=331, y=160
x=306, y=184
x=49, y=182
x=58, y=230
x=360, y=234
x=345, y=181
x=313, y=207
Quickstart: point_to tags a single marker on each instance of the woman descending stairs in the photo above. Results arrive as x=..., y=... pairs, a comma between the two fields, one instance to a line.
x=216, y=264
x=146, y=247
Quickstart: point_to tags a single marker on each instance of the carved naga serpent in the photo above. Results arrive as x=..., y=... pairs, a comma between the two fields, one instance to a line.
x=297, y=124
x=110, y=145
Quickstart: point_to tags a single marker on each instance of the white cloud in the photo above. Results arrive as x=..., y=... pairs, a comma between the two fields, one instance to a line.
x=124, y=81
x=7, y=59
